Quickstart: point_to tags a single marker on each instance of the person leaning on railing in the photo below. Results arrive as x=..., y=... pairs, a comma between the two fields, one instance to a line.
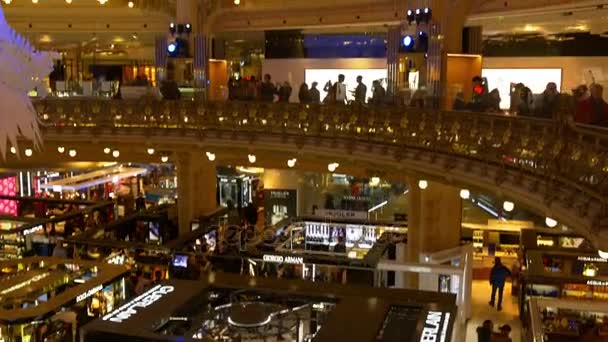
x=592, y=109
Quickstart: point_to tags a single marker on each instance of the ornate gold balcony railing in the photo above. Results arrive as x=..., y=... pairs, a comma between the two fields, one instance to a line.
x=570, y=159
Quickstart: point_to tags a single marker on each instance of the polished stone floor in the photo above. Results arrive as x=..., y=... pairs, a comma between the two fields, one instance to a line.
x=482, y=311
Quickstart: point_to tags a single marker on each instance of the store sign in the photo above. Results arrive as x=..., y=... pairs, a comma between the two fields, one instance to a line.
x=32, y=230
x=597, y=282
x=336, y=213
x=279, y=259
x=25, y=283
x=279, y=194
x=435, y=327
x=591, y=259
x=143, y=301
x=89, y=293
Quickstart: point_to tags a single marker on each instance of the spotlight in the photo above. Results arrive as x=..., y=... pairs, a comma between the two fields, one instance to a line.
x=551, y=223
x=428, y=14
x=130, y=4
x=251, y=158
x=332, y=167
x=418, y=16
x=28, y=152
x=410, y=16
x=172, y=47
x=107, y=150
x=423, y=184
x=60, y=149
x=408, y=42
x=164, y=159
x=116, y=153
x=508, y=206
x=291, y=162
x=150, y=151
x=188, y=28
x=172, y=28
x=210, y=156
x=72, y=153
x=237, y=2
x=465, y=194
x=13, y=150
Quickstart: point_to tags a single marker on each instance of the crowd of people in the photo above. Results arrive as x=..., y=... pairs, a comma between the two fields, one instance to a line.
x=589, y=107
x=249, y=89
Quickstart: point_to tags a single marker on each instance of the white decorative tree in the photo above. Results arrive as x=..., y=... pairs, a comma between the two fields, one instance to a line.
x=22, y=68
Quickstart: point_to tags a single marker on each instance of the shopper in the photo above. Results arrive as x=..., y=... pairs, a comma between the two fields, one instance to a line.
x=594, y=110
x=330, y=89
x=524, y=107
x=169, y=88
x=304, y=93
x=360, y=91
x=251, y=214
x=498, y=277
x=493, y=105
x=546, y=104
x=581, y=94
x=503, y=334
x=314, y=95
x=484, y=332
x=267, y=89
x=285, y=92
x=340, y=90
x=378, y=93
x=340, y=247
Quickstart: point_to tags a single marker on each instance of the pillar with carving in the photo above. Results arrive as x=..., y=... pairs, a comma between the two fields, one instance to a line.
x=434, y=221
x=160, y=58
x=196, y=188
x=393, y=41
x=200, y=65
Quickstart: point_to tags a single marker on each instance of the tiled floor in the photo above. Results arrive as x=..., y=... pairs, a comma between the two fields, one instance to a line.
x=482, y=311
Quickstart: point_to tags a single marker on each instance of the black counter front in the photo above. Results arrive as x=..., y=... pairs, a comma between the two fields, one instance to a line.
x=244, y=308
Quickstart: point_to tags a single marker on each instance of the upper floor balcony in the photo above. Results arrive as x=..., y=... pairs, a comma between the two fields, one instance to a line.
x=555, y=167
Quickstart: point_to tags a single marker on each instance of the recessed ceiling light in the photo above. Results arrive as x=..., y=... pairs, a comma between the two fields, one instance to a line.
x=60, y=149
x=332, y=167
x=292, y=162
x=423, y=184
x=116, y=153
x=72, y=153
x=465, y=194
x=508, y=206
x=131, y=4
x=252, y=158
x=107, y=150
x=164, y=159
x=150, y=151
x=13, y=150
x=210, y=156
x=28, y=152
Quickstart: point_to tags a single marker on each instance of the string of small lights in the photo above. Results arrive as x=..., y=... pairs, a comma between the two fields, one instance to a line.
x=130, y=4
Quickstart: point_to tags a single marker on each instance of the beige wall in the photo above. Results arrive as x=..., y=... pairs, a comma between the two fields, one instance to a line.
x=292, y=69
x=575, y=70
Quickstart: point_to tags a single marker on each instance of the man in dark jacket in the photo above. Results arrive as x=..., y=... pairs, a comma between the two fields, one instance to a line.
x=498, y=276
x=267, y=89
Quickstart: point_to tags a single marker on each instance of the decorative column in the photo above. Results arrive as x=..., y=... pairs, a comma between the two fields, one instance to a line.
x=160, y=58
x=434, y=221
x=392, y=59
x=200, y=65
x=197, y=188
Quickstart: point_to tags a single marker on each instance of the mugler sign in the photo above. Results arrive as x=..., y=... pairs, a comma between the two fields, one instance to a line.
x=143, y=301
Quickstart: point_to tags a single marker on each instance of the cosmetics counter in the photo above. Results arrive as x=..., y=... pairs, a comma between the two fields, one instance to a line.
x=226, y=307
x=556, y=320
x=47, y=299
x=567, y=275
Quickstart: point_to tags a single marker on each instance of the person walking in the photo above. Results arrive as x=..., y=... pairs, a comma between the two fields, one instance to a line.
x=360, y=91
x=498, y=277
x=314, y=94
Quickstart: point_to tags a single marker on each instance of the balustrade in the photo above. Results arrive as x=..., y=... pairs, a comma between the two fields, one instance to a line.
x=570, y=158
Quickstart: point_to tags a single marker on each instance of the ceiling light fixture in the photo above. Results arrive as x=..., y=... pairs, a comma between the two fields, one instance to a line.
x=60, y=149
x=292, y=162
x=13, y=150
x=603, y=255
x=131, y=4
x=210, y=156
x=508, y=206
x=68, y=1
x=465, y=194
x=107, y=150
x=28, y=152
x=237, y=2
x=72, y=153
x=374, y=181
x=164, y=159
x=423, y=184
x=251, y=158
x=116, y=153
x=332, y=167
x=34, y=1
x=551, y=223
x=8, y=2
x=150, y=151
x=102, y=2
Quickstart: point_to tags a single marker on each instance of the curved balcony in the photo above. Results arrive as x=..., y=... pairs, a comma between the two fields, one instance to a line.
x=554, y=167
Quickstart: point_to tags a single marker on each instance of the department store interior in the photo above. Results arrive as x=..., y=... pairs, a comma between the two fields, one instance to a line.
x=263, y=170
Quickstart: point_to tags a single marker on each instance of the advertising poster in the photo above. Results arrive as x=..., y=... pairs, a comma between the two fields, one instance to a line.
x=280, y=204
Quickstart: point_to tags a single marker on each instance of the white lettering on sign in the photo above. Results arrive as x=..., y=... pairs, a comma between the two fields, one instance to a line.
x=597, y=282
x=591, y=259
x=32, y=230
x=432, y=325
x=25, y=283
x=279, y=194
x=360, y=215
x=279, y=259
x=89, y=293
x=143, y=301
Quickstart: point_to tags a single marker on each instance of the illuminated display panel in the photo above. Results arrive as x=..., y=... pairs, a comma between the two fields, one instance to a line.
x=535, y=79
x=8, y=187
x=321, y=76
